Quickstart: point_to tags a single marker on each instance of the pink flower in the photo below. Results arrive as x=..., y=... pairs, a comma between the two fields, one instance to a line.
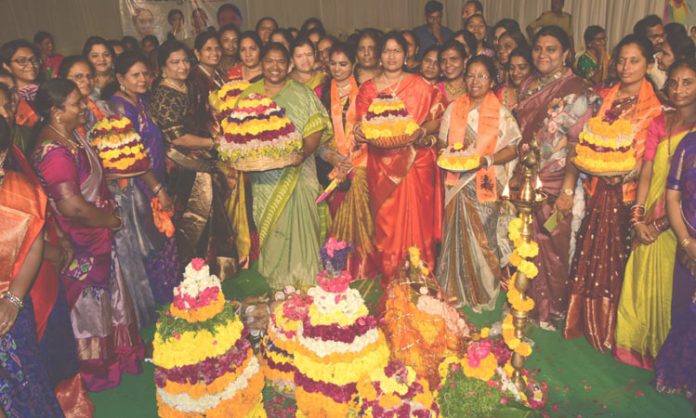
x=504, y=401
x=334, y=245
x=197, y=263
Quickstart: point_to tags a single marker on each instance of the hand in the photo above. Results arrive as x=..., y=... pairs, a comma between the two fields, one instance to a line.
x=299, y=160
x=244, y=263
x=231, y=180
x=8, y=315
x=359, y=135
x=483, y=162
x=691, y=249
x=66, y=252
x=646, y=234
x=165, y=201
x=564, y=203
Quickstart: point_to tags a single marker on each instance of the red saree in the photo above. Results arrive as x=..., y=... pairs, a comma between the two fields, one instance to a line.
x=404, y=183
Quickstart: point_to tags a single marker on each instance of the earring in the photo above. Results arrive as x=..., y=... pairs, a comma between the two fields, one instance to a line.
x=58, y=119
x=121, y=87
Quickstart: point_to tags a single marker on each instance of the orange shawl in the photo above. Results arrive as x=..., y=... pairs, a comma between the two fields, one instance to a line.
x=344, y=134
x=641, y=114
x=486, y=140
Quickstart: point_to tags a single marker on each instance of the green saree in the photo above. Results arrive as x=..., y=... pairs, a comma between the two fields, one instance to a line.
x=291, y=225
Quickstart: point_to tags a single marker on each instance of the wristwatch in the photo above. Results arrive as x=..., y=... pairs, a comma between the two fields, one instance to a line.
x=568, y=191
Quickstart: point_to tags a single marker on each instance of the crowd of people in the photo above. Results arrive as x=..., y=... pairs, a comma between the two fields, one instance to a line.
x=84, y=268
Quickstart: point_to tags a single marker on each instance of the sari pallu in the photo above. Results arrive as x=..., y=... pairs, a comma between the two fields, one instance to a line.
x=604, y=236
x=101, y=309
x=555, y=115
x=469, y=267
x=291, y=225
x=643, y=316
x=202, y=227
x=404, y=183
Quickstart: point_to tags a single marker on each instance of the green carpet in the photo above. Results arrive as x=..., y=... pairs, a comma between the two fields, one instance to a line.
x=582, y=382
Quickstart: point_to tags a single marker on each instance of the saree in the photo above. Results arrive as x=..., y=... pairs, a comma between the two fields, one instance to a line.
x=555, y=114
x=198, y=188
x=469, y=267
x=404, y=183
x=643, y=316
x=25, y=389
x=604, y=236
x=292, y=227
x=101, y=308
x=350, y=209
x=158, y=252
x=203, y=84
x=675, y=366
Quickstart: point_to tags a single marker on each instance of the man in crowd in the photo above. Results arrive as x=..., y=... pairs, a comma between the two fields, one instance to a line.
x=432, y=33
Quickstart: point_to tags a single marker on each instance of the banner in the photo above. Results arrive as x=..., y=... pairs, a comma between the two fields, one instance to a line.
x=184, y=19
x=680, y=11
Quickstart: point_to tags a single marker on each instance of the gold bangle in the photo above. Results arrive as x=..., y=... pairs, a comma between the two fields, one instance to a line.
x=685, y=242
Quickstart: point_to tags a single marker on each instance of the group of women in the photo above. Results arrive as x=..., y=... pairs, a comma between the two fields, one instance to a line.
x=616, y=265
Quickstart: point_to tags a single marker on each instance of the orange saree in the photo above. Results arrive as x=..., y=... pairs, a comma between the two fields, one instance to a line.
x=404, y=183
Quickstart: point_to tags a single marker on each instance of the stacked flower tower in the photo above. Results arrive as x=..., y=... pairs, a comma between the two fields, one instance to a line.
x=338, y=343
x=204, y=364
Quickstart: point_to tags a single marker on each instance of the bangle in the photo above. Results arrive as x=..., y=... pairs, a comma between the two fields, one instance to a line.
x=637, y=213
x=157, y=189
x=120, y=224
x=489, y=160
x=685, y=242
x=13, y=300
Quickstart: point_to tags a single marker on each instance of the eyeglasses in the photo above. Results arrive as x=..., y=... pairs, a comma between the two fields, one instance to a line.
x=24, y=61
x=472, y=77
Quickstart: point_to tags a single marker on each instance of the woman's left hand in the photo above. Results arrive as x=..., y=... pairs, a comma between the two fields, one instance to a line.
x=340, y=163
x=8, y=315
x=417, y=136
x=165, y=200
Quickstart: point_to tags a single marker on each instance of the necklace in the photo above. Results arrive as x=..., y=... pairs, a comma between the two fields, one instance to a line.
x=180, y=88
x=65, y=140
x=454, y=92
x=395, y=89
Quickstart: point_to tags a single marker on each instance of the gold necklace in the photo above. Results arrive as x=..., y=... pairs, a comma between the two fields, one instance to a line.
x=181, y=89
x=65, y=140
x=453, y=92
x=393, y=90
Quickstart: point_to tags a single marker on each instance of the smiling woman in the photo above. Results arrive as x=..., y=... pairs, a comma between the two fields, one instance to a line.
x=206, y=77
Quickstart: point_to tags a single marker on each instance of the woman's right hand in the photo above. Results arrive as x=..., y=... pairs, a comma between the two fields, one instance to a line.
x=359, y=135
x=564, y=203
x=646, y=234
x=8, y=315
x=691, y=249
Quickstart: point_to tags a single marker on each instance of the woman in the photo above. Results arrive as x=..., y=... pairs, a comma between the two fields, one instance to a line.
x=677, y=46
x=25, y=390
x=603, y=239
x=643, y=318
x=430, y=65
x=51, y=60
x=412, y=63
x=101, y=308
x=250, y=55
x=468, y=40
x=51, y=313
x=21, y=59
x=469, y=266
x=202, y=229
x=403, y=183
x=593, y=64
x=519, y=68
x=206, y=77
x=283, y=37
x=476, y=24
x=228, y=36
x=675, y=365
x=367, y=57
x=291, y=225
x=303, y=54
x=176, y=21
x=349, y=204
x=508, y=42
x=149, y=44
x=554, y=106
x=453, y=61
x=98, y=52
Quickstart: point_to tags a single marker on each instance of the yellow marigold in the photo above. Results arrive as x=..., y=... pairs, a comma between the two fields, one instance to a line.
x=515, y=259
x=366, y=389
x=528, y=268
x=528, y=249
x=389, y=401
x=485, y=371
x=524, y=349
x=343, y=373
x=485, y=332
x=201, y=314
